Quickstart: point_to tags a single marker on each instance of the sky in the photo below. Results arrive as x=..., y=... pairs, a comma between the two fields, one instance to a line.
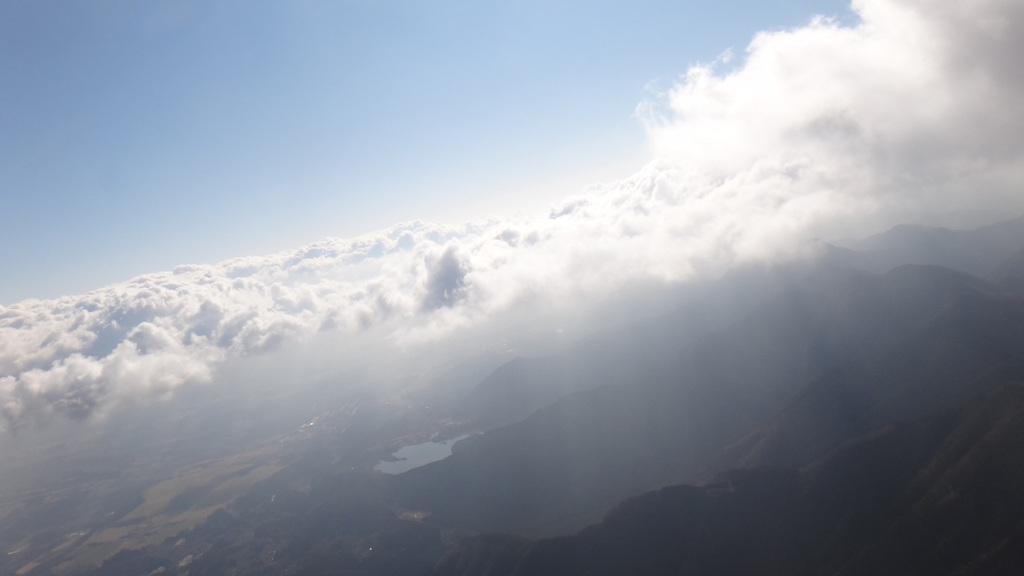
x=137, y=136
x=173, y=191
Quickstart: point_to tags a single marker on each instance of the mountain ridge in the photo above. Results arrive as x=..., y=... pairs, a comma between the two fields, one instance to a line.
x=856, y=511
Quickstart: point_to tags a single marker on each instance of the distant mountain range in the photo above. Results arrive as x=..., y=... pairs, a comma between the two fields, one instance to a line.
x=858, y=413
x=979, y=252
x=837, y=355
x=895, y=449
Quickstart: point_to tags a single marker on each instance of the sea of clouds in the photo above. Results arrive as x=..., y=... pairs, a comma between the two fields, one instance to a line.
x=912, y=112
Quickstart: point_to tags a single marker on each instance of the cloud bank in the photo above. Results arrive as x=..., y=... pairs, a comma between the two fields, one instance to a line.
x=826, y=130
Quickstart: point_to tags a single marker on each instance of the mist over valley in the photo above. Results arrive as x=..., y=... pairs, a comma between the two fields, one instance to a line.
x=789, y=342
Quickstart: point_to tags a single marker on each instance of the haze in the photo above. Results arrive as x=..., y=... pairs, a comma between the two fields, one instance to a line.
x=514, y=220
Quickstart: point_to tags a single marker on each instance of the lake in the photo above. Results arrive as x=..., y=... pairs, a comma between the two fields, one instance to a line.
x=416, y=455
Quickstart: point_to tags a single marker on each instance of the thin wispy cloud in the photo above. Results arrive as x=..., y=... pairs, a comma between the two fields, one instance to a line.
x=819, y=131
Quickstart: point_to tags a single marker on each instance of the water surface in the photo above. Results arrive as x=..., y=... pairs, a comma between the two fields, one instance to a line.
x=416, y=455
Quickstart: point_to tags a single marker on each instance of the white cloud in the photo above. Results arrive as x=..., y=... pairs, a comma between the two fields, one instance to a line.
x=916, y=108
x=821, y=130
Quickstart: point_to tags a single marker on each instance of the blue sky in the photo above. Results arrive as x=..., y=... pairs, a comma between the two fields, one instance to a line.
x=138, y=136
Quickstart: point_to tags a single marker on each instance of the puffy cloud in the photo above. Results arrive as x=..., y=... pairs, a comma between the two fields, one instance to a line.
x=912, y=111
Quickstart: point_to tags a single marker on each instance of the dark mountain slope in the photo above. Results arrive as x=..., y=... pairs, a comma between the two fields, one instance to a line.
x=877, y=347
x=968, y=339
x=966, y=506
x=938, y=496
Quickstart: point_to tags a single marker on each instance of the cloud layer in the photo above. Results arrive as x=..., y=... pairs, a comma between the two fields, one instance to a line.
x=821, y=131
